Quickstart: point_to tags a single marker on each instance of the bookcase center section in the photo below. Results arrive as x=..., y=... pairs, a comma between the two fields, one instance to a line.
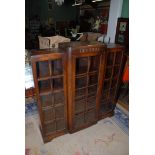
x=85, y=80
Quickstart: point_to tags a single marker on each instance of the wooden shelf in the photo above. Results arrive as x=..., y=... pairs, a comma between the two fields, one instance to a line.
x=104, y=100
x=92, y=93
x=107, y=79
x=87, y=86
x=50, y=77
x=111, y=78
x=53, y=106
x=85, y=74
x=106, y=109
x=77, y=112
x=88, y=95
x=46, y=91
x=49, y=91
x=84, y=112
x=79, y=97
x=54, y=120
x=114, y=87
x=91, y=108
x=115, y=65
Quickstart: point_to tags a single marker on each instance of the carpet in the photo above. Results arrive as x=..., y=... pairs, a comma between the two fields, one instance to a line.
x=121, y=118
x=105, y=137
x=108, y=137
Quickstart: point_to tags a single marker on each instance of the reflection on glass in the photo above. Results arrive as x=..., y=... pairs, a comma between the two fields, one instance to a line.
x=42, y=69
x=44, y=85
x=108, y=73
x=118, y=58
x=46, y=100
x=81, y=65
x=57, y=67
x=93, y=79
x=110, y=58
x=57, y=83
x=94, y=63
x=81, y=82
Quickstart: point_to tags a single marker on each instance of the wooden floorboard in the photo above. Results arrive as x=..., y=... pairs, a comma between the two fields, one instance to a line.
x=125, y=106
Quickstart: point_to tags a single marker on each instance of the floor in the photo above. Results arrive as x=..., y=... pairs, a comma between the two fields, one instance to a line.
x=112, y=134
x=123, y=99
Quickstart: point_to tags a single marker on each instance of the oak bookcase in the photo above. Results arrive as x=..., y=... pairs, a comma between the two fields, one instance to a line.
x=76, y=85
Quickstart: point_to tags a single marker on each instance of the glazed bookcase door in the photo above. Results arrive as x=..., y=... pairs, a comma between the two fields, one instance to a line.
x=50, y=82
x=111, y=81
x=85, y=70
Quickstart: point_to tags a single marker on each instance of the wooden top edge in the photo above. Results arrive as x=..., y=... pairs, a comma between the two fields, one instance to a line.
x=79, y=44
x=64, y=47
x=113, y=45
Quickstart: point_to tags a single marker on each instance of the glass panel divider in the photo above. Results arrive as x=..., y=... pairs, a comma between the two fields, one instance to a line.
x=112, y=73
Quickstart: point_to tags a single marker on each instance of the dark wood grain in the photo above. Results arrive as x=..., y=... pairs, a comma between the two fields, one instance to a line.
x=85, y=66
x=50, y=57
x=75, y=53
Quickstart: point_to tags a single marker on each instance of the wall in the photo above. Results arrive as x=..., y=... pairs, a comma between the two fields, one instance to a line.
x=59, y=13
x=114, y=13
x=64, y=12
x=32, y=7
x=125, y=9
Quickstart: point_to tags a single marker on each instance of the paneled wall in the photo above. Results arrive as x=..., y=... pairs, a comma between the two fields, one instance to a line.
x=125, y=9
x=58, y=13
x=115, y=12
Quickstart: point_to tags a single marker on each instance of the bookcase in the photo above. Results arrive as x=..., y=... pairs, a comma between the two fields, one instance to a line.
x=111, y=81
x=84, y=74
x=49, y=72
x=76, y=85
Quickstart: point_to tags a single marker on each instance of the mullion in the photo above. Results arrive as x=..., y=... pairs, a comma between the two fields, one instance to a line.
x=84, y=74
x=119, y=72
x=50, y=67
x=86, y=86
x=112, y=73
x=88, y=68
x=51, y=82
x=86, y=90
x=86, y=81
x=53, y=101
x=50, y=71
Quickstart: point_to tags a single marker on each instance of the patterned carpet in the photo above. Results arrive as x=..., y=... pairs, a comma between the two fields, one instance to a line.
x=121, y=118
x=112, y=133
